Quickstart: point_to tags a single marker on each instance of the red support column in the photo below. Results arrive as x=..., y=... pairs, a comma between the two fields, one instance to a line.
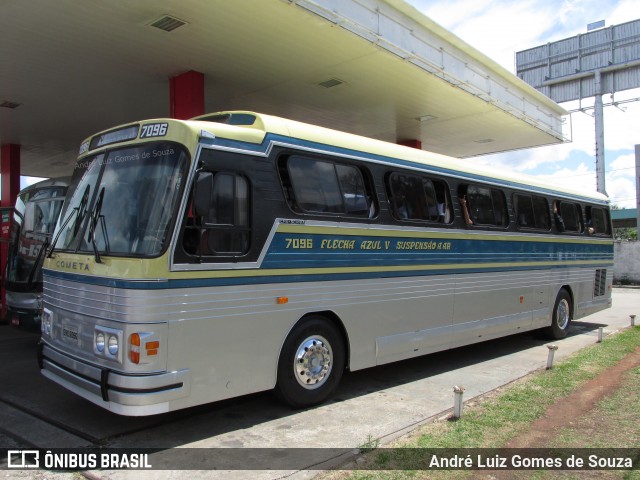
x=411, y=143
x=187, y=95
x=10, y=171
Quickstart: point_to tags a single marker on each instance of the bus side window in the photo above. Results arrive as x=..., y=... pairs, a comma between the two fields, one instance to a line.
x=312, y=185
x=443, y=200
x=598, y=221
x=541, y=212
x=417, y=198
x=191, y=233
x=531, y=211
x=412, y=199
x=486, y=206
x=524, y=210
x=570, y=215
x=558, y=216
x=221, y=225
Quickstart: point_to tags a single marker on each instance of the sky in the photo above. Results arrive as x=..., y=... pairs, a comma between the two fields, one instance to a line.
x=499, y=29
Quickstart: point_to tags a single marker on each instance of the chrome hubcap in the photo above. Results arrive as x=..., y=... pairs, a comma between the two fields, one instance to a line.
x=562, y=314
x=313, y=362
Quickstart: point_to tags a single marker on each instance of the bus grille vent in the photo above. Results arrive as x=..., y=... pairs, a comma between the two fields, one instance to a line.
x=600, y=283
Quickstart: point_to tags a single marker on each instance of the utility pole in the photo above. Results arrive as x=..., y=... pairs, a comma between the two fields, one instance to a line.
x=599, y=121
x=638, y=192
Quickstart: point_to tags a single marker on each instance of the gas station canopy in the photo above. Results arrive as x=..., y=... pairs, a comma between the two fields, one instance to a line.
x=378, y=68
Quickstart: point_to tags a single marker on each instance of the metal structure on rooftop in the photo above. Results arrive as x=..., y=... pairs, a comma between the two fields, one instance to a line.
x=602, y=61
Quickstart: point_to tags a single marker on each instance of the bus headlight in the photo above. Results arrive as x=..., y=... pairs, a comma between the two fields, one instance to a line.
x=106, y=343
x=46, y=320
x=100, y=342
x=113, y=345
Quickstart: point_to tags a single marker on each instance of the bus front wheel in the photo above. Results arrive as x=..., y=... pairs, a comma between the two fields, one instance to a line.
x=561, y=317
x=311, y=363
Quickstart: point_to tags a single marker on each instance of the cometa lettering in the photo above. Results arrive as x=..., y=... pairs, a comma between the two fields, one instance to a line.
x=69, y=265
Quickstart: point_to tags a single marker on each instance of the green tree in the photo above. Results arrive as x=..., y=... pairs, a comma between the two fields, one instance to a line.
x=624, y=233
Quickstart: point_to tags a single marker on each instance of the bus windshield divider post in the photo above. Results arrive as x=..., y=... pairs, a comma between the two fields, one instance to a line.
x=66, y=222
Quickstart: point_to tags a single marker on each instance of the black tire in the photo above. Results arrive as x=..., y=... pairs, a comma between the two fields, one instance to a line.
x=311, y=363
x=560, y=317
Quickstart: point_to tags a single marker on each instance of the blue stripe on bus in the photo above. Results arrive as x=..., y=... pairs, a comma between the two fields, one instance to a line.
x=295, y=250
x=297, y=277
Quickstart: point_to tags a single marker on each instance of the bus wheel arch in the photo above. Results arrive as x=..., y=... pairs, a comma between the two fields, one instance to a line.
x=561, y=315
x=312, y=360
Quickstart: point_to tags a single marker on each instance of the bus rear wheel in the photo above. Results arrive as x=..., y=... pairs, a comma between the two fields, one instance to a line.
x=311, y=363
x=561, y=317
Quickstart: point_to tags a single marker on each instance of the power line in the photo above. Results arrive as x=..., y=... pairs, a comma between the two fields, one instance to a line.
x=594, y=172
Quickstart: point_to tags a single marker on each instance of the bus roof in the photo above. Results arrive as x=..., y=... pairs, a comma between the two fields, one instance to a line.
x=252, y=127
x=50, y=182
x=268, y=124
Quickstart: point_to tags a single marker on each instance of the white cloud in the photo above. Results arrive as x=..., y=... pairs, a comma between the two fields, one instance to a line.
x=487, y=24
x=621, y=127
x=620, y=180
x=622, y=192
x=624, y=11
x=528, y=160
x=580, y=178
x=499, y=28
x=623, y=166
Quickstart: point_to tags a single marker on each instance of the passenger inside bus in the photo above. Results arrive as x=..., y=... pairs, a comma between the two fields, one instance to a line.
x=465, y=210
x=558, y=217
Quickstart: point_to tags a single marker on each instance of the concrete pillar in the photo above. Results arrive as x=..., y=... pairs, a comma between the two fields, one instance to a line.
x=638, y=191
x=187, y=95
x=10, y=171
x=411, y=143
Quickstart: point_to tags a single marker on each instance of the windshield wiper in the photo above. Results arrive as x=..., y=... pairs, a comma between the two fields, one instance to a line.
x=95, y=218
x=80, y=212
x=37, y=261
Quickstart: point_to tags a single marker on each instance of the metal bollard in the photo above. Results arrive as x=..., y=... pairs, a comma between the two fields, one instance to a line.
x=633, y=320
x=457, y=401
x=552, y=351
x=600, y=331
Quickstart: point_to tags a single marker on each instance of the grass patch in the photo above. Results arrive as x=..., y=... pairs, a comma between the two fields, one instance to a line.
x=496, y=419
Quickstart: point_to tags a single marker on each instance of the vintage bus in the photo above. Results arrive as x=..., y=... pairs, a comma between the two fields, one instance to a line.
x=34, y=218
x=237, y=252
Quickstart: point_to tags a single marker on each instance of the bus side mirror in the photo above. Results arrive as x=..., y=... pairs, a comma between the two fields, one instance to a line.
x=202, y=194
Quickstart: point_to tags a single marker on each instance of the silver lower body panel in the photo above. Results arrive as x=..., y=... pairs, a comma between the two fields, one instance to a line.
x=120, y=393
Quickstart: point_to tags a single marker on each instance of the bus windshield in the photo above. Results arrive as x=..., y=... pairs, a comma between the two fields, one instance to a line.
x=121, y=202
x=35, y=219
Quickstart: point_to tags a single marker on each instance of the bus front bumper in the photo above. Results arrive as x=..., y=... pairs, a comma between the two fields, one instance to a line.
x=132, y=394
